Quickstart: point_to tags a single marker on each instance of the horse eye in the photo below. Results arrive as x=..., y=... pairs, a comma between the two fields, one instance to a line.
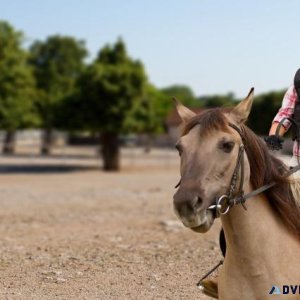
x=179, y=148
x=227, y=146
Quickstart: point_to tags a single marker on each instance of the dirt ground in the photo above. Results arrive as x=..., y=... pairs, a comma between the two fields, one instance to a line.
x=70, y=231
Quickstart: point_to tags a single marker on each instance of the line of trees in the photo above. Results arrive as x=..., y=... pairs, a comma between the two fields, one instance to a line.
x=50, y=86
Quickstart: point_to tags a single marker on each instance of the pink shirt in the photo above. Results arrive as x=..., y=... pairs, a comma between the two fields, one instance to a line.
x=287, y=110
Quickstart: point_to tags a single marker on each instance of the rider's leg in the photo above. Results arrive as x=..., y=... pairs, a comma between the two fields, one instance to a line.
x=210, y=286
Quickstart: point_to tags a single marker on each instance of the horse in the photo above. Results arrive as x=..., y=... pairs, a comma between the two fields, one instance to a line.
x=222, y=159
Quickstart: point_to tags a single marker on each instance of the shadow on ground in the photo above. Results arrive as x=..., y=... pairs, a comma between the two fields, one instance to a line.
x=51, y=156
x=43, y=168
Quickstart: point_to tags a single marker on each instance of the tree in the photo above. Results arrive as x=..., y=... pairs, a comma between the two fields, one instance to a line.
x=219, y=100
x=265, y=105
x=17, y=86
x=57, y=62
x=148, y=115
x=108, y=90
x=183, y=93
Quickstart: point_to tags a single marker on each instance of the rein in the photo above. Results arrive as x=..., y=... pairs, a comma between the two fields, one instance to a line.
x=225, y=202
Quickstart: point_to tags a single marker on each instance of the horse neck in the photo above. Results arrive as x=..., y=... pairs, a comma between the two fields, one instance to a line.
x=260, y=251
x=256, y=229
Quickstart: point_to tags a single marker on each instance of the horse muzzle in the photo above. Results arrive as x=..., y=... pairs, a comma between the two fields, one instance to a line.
x=193, y=217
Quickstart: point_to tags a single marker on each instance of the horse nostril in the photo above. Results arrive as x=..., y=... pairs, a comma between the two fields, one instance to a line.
x=198, y=202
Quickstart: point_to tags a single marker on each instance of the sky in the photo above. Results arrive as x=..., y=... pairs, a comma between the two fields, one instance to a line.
x=215, y=47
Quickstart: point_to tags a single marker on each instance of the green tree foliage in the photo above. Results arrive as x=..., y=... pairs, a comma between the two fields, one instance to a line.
x=17, y=85
x=148, y=115
x=183, y=93
x=57, y=62
x=218, y=100
x=110, y=92
x=264, y=109
x=110, y=96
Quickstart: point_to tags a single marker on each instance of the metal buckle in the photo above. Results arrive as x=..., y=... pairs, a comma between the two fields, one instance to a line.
x=218, y=206
x=215, y=206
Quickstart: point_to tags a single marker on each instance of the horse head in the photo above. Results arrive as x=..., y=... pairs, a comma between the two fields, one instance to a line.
x=208, y=149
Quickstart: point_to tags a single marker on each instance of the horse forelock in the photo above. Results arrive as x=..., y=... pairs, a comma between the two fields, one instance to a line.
x=211, y=119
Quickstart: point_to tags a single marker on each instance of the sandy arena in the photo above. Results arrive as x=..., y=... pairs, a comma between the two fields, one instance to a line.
x=70, y=231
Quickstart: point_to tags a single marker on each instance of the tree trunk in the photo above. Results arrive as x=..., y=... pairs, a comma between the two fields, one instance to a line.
x=46, y=142
x=110, y=151
x=9, y=142
x=149, y=142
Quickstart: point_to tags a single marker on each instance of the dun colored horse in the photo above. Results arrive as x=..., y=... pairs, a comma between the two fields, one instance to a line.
x=263, y=242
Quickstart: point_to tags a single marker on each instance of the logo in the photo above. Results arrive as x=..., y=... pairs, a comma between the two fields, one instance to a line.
x=285, y=290
x=275, y=290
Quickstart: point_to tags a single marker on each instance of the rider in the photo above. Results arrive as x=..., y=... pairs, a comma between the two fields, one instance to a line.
x=290, y=108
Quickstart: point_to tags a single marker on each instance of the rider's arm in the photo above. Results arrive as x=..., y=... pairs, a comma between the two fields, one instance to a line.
x=286, y=111
x=273, y=129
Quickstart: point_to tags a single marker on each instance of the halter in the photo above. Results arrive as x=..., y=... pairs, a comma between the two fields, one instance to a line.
x=226, y=201
x=234, y=195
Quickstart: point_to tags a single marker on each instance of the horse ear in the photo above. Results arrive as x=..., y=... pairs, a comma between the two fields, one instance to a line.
x=241, y=112
x=184, y=113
